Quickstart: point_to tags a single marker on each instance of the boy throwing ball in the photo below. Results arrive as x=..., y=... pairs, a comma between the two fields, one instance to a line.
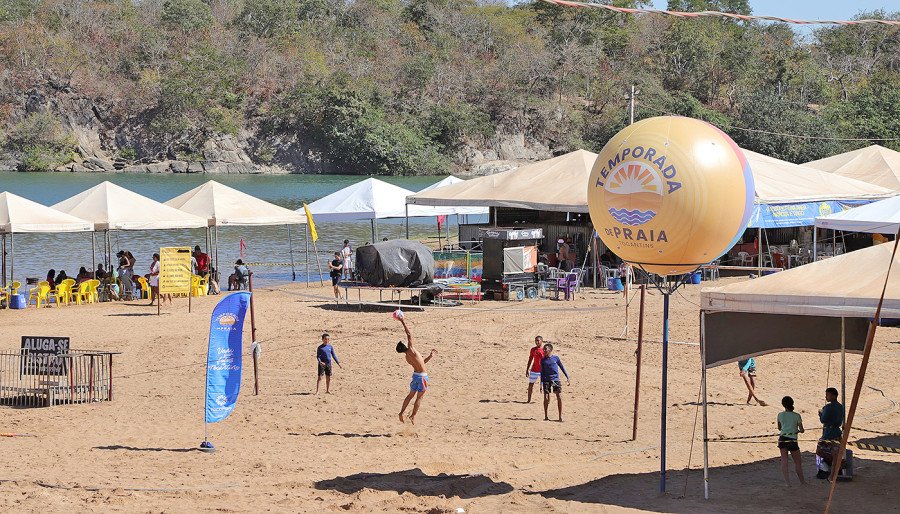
x=419, y=383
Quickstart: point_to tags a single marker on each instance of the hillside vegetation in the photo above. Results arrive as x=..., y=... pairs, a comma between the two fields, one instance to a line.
x=417, y=86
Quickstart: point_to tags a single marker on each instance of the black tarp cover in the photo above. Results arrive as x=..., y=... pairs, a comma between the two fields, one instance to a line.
x=398, y=262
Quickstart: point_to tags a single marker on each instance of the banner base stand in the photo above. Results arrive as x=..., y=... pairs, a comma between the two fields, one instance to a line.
x=207, y=447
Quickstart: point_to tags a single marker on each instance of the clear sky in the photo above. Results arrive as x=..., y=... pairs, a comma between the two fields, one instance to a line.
x=812, y=9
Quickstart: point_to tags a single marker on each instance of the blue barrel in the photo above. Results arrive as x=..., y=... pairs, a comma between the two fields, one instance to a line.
x=17, y=301
x=614, y=284
x=695, y=278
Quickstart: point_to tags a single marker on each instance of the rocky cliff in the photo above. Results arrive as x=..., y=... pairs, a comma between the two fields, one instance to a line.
x=104, y=142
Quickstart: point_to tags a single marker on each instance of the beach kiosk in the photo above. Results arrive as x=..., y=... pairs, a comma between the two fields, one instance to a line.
x=510, y=262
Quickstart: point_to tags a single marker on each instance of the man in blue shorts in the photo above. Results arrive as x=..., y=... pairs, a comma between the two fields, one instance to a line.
x=419, y=383
x=550, y=382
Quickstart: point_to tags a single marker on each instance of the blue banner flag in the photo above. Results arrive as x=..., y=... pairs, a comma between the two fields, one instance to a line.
x=223, y=359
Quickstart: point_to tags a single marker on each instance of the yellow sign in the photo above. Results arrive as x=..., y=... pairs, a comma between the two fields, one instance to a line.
x=669, y=194
x=312, y=225
x=175, y=270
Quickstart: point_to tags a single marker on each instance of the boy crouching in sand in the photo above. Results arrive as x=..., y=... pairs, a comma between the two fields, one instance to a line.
x=419, y=383
x=791, y=426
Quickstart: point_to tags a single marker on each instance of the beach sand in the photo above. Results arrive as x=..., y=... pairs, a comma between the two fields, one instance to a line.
x=476, y=445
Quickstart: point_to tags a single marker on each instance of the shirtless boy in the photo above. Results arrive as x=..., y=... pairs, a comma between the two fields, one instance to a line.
x=419, y=383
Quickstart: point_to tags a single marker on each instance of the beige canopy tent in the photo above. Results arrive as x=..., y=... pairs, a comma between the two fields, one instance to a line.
x=20, y=215
x=821, y=307
x=558, y=184
x=874, y=164
x=112, y=207
x=221, y=205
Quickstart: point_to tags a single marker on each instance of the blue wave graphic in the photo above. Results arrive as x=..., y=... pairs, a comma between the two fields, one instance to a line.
x=632, y=218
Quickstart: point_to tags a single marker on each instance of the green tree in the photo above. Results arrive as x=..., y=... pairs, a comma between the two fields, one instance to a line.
x=186, y=15
x=41, y=142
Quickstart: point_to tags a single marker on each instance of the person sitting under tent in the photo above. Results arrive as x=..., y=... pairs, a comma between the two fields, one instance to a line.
x=202, y=261
x=101, y=273
x=83, y=274
x=51, y=277
x=61, y=277
x=238, y=279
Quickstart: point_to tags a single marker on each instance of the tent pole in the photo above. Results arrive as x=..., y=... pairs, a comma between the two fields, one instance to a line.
x=662, y=419
x=291, y=251
x=759, y=247
x=93, y=256
x=3, y=258
x=372, y=221
x=815, y=233
x=407, y=220
x=216, y=230
x=12, y=256
x=844, y=362
x=703, y=392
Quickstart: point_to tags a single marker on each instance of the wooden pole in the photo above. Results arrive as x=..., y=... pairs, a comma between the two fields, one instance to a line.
x=637, y=375
x=705, y=418
x=253, y=335
x=93, y=256
x=3, y=258
x=12, y=257
x=860, y=378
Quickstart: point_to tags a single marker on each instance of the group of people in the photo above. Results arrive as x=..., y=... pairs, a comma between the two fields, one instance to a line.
x=341, y=267
x=790, y=426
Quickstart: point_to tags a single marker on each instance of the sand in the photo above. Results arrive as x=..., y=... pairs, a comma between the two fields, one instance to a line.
x=475, y=446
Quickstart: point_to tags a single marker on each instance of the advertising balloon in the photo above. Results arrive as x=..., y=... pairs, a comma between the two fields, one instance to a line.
x=669, y=194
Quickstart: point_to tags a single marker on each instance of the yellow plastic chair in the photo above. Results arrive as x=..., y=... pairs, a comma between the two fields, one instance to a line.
x=195, y=285
x=93, y=290
x=33, y=292
x=14, y=289
x=145, y=287
x=43, y=294
x=64, y=292
x=83, y=294
x=204, y=286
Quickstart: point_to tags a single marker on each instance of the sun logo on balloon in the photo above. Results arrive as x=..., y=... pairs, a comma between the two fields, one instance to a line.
x=634, y=193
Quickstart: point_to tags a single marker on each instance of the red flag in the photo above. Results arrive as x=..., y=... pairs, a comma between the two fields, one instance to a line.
x=243, y=248
x=441, y=220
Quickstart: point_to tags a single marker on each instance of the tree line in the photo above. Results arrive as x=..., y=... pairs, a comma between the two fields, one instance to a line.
x=401, y=86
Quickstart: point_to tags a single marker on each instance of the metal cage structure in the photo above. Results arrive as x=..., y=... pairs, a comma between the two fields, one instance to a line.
x=31, y=379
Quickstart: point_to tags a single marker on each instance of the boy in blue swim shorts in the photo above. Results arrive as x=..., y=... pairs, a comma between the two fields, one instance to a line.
x=419, y=383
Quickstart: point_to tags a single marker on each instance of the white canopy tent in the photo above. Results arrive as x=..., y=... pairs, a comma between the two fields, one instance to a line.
x=20, y=215
x=875, y=218
x=813, y=308
x=873, y=164
x=223, y=206
x=112, y=207
x=425, y=210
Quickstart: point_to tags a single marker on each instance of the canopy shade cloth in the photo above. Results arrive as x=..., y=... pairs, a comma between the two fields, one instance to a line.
x=787, y=194
x=558, y=184
x=372, y=199
x=422, y=210
x=112, y=207
x=875, y=218
x=21, y=215
x=221, y=205
x=874, y=164
x=801, y=308
x=792, y=195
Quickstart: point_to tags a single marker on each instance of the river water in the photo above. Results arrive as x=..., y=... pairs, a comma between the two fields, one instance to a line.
x=36, y=253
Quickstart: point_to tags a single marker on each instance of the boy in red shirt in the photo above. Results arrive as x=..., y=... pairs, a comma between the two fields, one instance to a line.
x=533, y=368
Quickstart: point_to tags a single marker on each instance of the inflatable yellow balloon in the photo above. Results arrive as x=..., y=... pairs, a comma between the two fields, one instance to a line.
x=668, y=194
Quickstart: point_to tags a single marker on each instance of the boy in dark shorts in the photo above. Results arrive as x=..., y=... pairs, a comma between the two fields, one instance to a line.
x=324, y=354
x=791, y=426
x=550, y=382
x=336, y=265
